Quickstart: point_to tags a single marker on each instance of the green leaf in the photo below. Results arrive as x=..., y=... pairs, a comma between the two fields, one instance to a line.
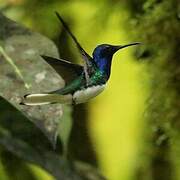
x=22, y=138
x=23, y=71
x=65, y=129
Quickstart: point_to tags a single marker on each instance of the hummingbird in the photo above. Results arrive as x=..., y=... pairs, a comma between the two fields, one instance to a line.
x=82, y=82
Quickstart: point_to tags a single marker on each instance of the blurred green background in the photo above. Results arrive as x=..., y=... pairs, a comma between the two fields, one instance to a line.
x=131, y=130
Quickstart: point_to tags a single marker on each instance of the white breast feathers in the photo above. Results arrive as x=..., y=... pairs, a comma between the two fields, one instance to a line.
x=84, y=95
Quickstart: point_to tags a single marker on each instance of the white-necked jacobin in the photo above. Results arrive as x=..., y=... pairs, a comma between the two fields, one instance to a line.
x=81, y=82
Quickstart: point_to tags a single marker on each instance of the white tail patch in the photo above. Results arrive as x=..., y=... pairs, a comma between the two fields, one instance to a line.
x=42, y=99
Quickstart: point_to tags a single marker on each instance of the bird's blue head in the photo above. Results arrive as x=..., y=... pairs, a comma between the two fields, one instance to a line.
x=103, y=54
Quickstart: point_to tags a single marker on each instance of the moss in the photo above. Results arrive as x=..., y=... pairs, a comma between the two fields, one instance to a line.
x=157, y=25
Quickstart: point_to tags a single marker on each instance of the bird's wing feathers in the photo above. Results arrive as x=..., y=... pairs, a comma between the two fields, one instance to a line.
x=67, y=70
x=86, y=57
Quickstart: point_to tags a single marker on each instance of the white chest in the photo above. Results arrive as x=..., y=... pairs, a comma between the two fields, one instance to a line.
x=86, y=94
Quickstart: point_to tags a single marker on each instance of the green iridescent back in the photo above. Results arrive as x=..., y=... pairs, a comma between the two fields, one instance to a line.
x=97, y=78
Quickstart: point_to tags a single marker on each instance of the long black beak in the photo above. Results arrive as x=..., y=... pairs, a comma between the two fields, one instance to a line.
x=127, y=45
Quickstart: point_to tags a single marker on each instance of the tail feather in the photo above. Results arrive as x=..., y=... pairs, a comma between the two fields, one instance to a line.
x=42, y=99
